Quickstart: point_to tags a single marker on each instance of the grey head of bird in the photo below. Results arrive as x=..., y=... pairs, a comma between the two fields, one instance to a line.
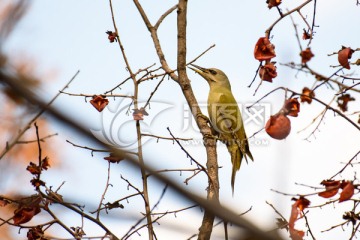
x=214, y=76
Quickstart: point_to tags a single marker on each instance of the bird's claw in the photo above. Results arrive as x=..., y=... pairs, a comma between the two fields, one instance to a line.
x=200, y=115
x=210, y=136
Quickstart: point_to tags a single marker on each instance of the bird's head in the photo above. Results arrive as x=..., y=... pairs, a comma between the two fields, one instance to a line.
x=213, y=76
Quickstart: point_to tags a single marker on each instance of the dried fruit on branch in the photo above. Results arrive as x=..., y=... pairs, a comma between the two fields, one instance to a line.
x=296, y=209
x=351, y=216
x=306, y=35
x=113, y=158
x=306, y=55
x=344, y=55
x=99, y=102
x=292, y=107
x=27, y=210
x=112, y=36
x=330, y=183
x=343, y=100
x=307, y=95
x=273, y=3
x=33, y=168
x=268, y=72
x=329, y=193
x=278, y=126
x=45, y=163
x=35, y=233
x=332, y=188
x=264, y=50
x=25, y=214
x=347, y=191
x=37, y=182
x=78, y=231
x=138, y=114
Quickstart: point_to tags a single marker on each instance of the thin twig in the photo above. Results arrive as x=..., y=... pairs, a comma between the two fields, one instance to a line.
x=162, y=17
x=276, y=211
x=319, y=77
x=133, y=228
x=153, y=92
x=308, y=225
x=160, y=198
x=327, y=79
x=314, y=98
x=60, y=222
x=296, y=33
x=346, y=165
x=189, y=178
x=105, y=190
x=256, y=73
x=347, y=78
x=307, y=24
x=267, y=32
x=313, y=22
x=195, y=59
x=117, y=86
x=87, y=148
x=91, y=95
x=165, y=138
x=175, y=211
x=40, y=139
x=116, y=203
x=321, y=114
x=80, y=212
x=188, y=154
x=156, y=41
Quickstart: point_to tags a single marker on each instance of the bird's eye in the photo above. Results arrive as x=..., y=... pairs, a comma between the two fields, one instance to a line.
x=213, y=72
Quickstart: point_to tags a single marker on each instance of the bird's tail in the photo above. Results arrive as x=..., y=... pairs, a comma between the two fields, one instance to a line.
x=236, y=157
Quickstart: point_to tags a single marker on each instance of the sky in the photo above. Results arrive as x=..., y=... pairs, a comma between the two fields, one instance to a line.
x=62, y=37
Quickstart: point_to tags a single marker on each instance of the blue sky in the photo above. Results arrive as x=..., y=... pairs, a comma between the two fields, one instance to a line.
x=62, y=37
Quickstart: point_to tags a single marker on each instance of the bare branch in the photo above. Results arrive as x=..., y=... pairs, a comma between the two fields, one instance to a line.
x=346, y=165
x=268, y=31
x=202, y=54
x=165, y=138
x=188, y=155
x=156, y=41
x=40, y=139
x=314, y=98
x=105, y=190
x=91, y=95
x=153, y=92
x=87, y=148
x=162, y=17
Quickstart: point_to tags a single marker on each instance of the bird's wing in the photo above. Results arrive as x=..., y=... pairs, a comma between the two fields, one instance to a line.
x=229, y=112
x=232, y=117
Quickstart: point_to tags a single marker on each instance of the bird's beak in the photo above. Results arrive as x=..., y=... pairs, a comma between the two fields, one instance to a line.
x=197, y=68
x=200, y=70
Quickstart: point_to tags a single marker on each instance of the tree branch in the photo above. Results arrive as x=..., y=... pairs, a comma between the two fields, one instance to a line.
x=210, y=143
x=267, y=32
x=162, y=17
